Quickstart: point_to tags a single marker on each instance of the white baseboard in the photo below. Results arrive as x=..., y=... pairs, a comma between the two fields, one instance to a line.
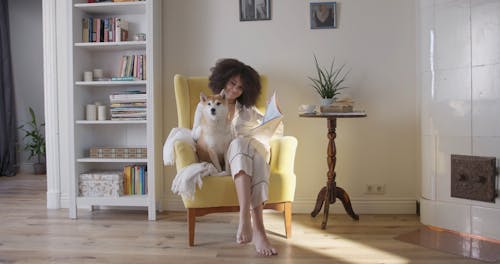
x=54, y=200
x=397, y=205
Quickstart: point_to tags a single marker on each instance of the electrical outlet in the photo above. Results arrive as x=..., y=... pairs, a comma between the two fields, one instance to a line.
x=375, y=188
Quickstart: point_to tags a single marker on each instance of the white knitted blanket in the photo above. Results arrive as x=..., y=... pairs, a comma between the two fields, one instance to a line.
x=186, y=180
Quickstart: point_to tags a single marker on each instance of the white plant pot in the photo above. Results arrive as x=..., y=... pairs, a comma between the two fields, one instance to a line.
x=326, y=101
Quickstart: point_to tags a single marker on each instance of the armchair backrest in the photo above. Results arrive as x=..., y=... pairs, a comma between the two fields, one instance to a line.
x=187, y=96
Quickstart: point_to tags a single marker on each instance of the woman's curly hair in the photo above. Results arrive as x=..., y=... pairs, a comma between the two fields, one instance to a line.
x=225, y=69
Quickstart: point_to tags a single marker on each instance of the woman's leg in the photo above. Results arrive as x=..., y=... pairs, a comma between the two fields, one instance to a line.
x=262, y=244
x=242, y=183
x=253, y=227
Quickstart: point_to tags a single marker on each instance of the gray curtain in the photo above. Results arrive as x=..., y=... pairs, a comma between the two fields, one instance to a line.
x=8, y=131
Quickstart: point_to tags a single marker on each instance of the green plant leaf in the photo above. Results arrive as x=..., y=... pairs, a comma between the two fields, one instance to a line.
x=34, y=137
x=329, y=80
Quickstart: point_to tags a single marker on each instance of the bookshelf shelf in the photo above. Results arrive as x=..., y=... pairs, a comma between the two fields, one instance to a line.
x=111, y=83
x=106, y=46
x=94, y=160
x=113, y=8
x=111, y=122
x=142, y=61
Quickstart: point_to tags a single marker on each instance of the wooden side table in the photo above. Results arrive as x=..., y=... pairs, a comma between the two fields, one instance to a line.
x=331, y=191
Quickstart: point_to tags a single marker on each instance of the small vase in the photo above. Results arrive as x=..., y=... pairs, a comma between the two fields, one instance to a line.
x=39, y=168
x=326, y=101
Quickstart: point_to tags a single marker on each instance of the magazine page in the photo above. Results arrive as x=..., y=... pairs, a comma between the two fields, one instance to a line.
x=270, y=122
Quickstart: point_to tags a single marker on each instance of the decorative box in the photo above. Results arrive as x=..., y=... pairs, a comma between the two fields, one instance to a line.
x=101, y=184
x=341, y=106
x=334, y=108
x=118, y=153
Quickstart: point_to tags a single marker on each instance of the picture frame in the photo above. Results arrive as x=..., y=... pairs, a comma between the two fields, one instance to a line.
x=253, y=10
x=323, y=15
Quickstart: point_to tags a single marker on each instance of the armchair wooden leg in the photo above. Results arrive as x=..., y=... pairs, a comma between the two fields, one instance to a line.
x=288, y=219
x=191, y=215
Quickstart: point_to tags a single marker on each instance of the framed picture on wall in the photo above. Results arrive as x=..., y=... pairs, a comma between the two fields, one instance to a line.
x=323, y=15
x=252, y=10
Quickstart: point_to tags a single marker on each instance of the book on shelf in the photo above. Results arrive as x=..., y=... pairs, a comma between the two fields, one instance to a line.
x=125, y=78
x=135, y=180
x=128, y=105
x=121, y=26
x=132, y=66
x=107, y=29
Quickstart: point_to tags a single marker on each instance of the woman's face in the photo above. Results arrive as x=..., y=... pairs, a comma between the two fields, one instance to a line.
x=234, y=88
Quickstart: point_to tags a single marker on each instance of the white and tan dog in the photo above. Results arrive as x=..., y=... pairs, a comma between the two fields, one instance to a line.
x=214, y=130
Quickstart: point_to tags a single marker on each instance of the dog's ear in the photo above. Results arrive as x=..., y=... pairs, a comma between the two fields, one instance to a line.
x=222, y=94
x=203, y=97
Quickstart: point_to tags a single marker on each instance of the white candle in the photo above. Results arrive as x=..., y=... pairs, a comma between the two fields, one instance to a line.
x=87, y=76
x=98, y=74
x=91, y=112
x=101, y=112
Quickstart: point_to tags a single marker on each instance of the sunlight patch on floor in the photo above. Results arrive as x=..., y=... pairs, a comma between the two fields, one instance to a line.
x=330, y=245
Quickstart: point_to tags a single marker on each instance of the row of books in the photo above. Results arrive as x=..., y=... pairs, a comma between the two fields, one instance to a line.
x=128, y=105
x=132, y=66
x=135, y=179
x=109, y=29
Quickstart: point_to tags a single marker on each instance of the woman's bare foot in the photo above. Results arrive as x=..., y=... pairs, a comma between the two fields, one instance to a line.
x=262, y=244
x=244, y=234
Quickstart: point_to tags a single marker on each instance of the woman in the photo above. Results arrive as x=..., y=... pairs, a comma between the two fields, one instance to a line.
x=248, y=158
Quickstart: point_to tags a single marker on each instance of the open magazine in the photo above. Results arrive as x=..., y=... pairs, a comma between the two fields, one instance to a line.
x=270, y=122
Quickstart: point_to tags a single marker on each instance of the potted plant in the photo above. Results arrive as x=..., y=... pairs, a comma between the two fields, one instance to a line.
x=329, y=82
x=35, y=142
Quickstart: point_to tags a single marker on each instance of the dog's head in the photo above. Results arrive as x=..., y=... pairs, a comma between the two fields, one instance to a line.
x=214, y=106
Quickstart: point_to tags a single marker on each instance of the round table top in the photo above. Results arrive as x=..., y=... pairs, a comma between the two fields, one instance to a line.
x=334, y=114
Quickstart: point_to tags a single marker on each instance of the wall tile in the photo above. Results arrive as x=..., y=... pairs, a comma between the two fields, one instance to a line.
x=429, y=167
x=452, y=23
x=486, y=101
x=451, y=103
x=485, y=222
x=485, y=24
x=426, y=37
x=427, y=90
x=446, y=215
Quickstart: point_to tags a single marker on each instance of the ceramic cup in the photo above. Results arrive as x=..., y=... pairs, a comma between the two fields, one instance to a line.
x=87, y=76
x=307, y=108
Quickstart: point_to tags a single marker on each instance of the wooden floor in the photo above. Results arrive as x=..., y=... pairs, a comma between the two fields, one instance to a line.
x=29, y=233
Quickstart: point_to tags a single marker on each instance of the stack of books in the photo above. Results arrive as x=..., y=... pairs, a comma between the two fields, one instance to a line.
x=135, y=179
x=128, y=105
x=109, y=29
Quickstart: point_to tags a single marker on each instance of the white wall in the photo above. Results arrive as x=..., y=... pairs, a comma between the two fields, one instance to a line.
x=460, y=76
x=25, y=18
x=377, y=41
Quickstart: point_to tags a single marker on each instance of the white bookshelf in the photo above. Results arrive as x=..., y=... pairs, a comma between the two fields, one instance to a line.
x=143, y=17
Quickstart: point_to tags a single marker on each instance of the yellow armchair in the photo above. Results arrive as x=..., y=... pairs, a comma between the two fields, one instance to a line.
x=218, y=194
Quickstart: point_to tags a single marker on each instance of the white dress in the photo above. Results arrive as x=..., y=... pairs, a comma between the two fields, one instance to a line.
x=246, y=153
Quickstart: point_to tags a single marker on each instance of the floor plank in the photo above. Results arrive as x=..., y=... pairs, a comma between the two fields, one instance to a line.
x=29, y=233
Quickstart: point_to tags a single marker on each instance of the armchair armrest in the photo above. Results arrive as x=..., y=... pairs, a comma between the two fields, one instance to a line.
x=184, y=155
x=283, y=154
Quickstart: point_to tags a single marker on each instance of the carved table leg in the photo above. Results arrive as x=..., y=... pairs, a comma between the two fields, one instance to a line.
x=319, y=202
x=344, y=197
x=330, y=192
